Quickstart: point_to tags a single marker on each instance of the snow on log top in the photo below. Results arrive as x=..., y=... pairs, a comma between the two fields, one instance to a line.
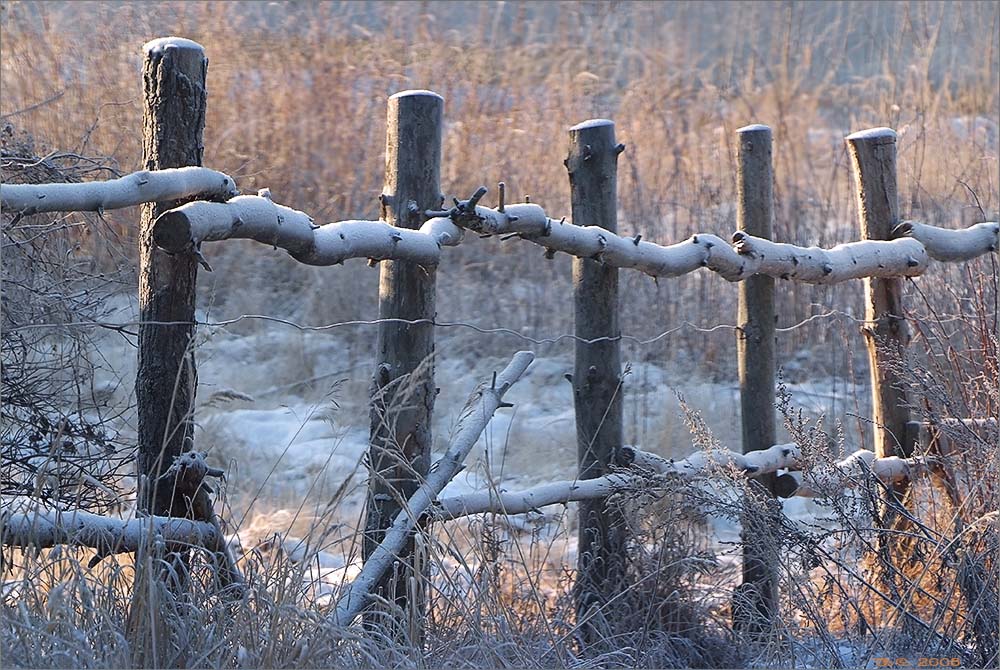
x=873, y=134
x=753, y=127
x=415, y=91
x=593, y=123
x=162, y=43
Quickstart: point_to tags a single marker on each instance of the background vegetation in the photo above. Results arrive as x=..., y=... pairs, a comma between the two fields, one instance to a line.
x=297, y=102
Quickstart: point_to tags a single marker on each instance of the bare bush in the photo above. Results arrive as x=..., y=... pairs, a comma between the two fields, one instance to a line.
x=59, y=439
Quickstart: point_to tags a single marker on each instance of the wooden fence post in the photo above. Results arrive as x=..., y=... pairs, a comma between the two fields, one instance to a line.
x=403, y=387
x=597, y=374
x=755, y=344
x=873, y=160
x=174, y=72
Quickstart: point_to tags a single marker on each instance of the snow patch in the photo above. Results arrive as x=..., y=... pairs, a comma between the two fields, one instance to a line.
x=162, y=43
x=872, y=134
x=593, y=123
x=753, y=128
x=415, y=92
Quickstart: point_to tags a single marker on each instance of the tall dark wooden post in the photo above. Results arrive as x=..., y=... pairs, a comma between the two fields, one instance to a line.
x=873, y=159
x=403, y=389
x=755, y=344
x=174, y=73
x=597, y=383
x=175, y=97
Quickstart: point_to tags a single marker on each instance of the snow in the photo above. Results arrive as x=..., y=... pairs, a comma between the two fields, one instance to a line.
x=593, y=123
x=294, y=444
x=873, y=134
x=162, y=43
x=414, y=92
x=754, y=127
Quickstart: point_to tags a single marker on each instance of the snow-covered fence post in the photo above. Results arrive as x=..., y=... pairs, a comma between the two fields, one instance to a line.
x=174, y=73
x=403, y=387
x=758, y=595
x=597, y=392
x=873, y=160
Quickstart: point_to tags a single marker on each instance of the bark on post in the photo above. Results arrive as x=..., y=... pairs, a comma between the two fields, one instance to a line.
x=755, y=345
x=403, y=387
x=597, y=392
x=873, y=160
x=174, y=73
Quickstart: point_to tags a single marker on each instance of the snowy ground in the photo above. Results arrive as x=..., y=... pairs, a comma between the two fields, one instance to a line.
x=285, y=412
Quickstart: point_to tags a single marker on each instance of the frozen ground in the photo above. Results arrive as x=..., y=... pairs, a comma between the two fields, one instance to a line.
x=285, y=412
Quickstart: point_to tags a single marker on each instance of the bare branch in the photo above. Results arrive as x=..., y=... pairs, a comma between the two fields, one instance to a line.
x=480, y=410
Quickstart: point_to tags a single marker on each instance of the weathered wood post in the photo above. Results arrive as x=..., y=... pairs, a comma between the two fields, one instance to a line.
x=403, y=387
x=597, y=374
x=755, y=344
x=873, y=160
x=174, y=73
x=175, y=96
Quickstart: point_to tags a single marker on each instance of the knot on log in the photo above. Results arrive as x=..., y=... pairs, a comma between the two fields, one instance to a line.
x=463, y=214
x=182, y=488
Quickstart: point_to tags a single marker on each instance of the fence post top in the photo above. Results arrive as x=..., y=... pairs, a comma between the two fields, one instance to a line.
x=415, y=93
x=754, y=128
x=592, y=123
x=877, y=135
x=164, y=43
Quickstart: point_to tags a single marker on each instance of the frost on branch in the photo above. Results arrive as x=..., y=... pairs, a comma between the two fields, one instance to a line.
x=258, y=218
x=700, y=463
x=749, y=255
x=868, y=258
x=47, y=527
x=846, y=473
x=479, y=410
x=855, y=470
x=530, y=222
x=952, y=245
x=127, y=191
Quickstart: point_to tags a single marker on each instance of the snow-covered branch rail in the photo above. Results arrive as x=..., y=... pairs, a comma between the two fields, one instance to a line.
x=869, y=258
x=854, y=470
x=43, y=527
x=133, y=189
x=906, y=256
x=846, y=473
x=480, y=410
x=530, y=222
x=952, y=245
x=780, y=456
x=258, y=218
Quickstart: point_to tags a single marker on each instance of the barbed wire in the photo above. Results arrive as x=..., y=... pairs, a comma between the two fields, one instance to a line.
x=555, y=339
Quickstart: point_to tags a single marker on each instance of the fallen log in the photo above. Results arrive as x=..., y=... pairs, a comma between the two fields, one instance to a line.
x=479, y=411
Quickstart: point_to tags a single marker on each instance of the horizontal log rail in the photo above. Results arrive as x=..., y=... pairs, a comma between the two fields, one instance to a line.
x=220, y=214
x=905, y=256
x=45, y=527
x=849, y=472
x=132, y=189
x=258, y=218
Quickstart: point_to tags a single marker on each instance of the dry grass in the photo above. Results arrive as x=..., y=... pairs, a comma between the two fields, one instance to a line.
x=296, y=103
x=297, y=99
